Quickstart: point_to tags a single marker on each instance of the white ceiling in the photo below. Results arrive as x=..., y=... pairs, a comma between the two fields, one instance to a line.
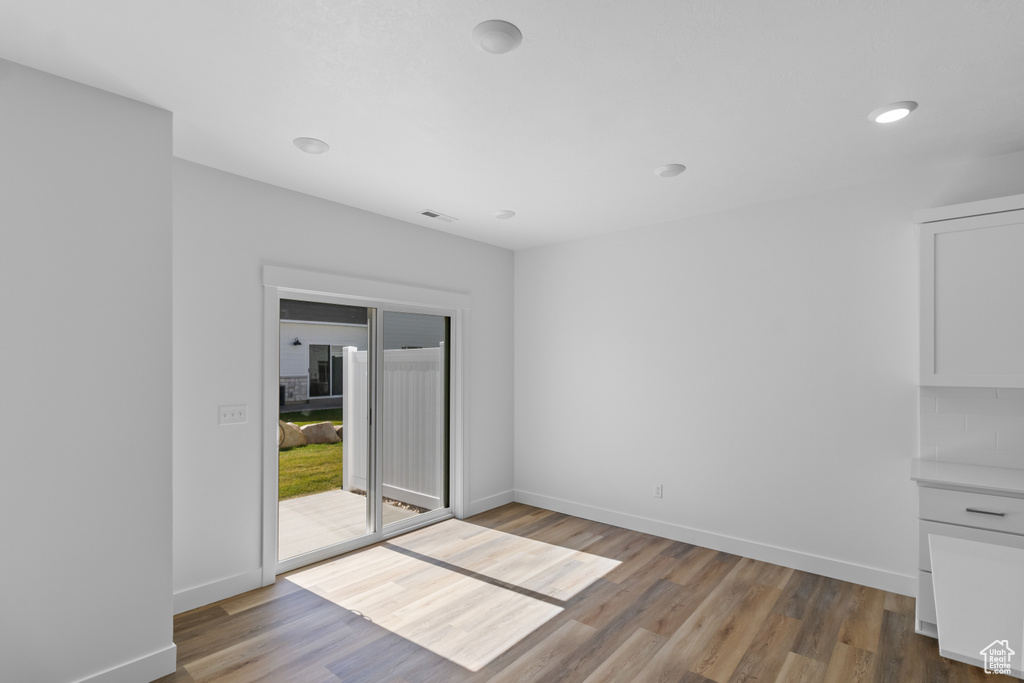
x=760, y=100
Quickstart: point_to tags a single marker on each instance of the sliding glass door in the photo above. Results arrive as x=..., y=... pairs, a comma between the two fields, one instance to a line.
x=365, y=425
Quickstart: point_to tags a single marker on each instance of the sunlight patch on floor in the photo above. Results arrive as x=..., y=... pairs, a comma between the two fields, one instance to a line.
x=465, y=592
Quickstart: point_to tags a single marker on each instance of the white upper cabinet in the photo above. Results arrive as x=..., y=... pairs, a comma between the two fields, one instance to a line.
x=972, y=294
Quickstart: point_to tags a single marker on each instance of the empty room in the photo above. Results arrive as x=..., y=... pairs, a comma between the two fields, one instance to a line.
x=674, y=340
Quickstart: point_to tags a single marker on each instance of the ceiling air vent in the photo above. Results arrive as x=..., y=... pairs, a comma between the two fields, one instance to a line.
x=439, y=216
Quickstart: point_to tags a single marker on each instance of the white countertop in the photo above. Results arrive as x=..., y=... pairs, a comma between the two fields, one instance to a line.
x=999, y=480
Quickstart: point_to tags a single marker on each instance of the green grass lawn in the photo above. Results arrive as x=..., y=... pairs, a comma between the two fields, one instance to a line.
x=306, y=417
x=314, y=468
x=305, y=470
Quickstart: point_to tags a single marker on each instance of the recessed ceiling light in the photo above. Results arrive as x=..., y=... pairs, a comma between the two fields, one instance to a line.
x=504, y=213
x=497, y=36
x=892, y=112
x=669, y=170
x=311, y=145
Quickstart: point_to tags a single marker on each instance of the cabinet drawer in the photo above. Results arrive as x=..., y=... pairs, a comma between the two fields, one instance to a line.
x=967, y=533
x=973, y=509
x=925, y=598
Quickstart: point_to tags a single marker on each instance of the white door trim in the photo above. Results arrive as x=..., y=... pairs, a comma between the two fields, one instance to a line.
x=279, y=283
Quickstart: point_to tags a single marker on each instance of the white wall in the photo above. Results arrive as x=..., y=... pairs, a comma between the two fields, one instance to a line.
x=85, y=514
x=760, y=363
x=225, y=228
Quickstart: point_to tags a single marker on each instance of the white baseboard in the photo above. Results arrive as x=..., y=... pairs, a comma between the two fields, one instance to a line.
x=146, y=668
x=490, y=502
x=815, y=564
x=190, y=598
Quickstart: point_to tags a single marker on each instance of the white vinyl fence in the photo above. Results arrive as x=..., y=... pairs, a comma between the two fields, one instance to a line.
x=412, y=388
x=354, y=413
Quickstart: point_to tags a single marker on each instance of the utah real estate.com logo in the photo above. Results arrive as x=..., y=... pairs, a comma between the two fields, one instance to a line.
x=997, y=657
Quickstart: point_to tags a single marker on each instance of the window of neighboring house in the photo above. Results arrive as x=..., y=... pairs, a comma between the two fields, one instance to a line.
x=325, y=370
x=319, y=370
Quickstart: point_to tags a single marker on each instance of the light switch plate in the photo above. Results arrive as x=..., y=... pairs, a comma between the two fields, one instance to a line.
x=232, y=415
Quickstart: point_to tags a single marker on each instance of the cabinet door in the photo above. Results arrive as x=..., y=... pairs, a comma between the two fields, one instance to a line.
x=972, y=301
x=979, y=602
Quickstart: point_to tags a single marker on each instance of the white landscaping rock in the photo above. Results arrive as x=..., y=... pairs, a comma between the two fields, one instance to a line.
x=289, y=435
x=321, y=432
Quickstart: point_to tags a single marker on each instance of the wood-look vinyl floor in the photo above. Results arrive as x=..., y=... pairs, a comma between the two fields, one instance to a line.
x=525, y=594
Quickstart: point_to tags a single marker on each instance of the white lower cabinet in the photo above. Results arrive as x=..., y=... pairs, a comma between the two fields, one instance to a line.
x=925, y=604
x=971, y=564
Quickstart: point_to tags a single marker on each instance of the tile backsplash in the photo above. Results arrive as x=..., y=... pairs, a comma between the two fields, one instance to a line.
x=979, y=426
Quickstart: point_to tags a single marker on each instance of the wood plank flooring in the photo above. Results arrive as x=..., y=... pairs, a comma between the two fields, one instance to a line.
x=524, y=594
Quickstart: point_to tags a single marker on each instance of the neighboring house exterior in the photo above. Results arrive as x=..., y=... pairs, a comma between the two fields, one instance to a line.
x=312, y=368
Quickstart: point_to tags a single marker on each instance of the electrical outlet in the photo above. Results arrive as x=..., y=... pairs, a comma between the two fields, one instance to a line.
x=657, y=490
x=232, y=415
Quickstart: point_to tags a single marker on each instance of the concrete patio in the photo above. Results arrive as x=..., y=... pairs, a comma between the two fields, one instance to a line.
x=311, y=522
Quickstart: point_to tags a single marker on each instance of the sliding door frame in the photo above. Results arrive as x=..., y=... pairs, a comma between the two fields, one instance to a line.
x=284, y=283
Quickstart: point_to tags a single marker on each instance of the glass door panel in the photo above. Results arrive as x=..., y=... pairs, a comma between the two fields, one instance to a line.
x=413, y=379
x=323, y=444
